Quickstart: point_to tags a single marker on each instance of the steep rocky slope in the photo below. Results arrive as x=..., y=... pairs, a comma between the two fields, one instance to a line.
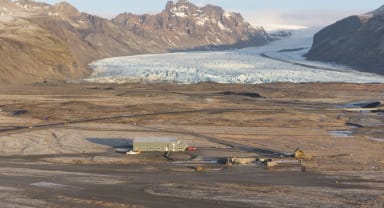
x=357, y=41
x=40, y=41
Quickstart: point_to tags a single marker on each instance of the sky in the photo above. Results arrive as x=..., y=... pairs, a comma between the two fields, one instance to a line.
x=257, y=12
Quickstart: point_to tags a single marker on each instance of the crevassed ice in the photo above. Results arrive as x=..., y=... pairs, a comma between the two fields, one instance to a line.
x=231, y=66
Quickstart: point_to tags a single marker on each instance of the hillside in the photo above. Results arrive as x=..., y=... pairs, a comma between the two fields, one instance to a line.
x=41, y=42
x=357, y=41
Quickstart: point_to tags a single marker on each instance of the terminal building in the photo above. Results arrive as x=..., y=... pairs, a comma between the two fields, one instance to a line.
x=159, y=144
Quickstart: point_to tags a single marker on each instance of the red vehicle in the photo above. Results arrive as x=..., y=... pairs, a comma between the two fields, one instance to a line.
x=191, y=148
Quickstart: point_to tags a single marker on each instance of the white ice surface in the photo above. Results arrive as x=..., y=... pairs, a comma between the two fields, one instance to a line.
x=231, y=66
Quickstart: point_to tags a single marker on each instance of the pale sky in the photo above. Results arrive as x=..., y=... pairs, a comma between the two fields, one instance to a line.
x=258, y=12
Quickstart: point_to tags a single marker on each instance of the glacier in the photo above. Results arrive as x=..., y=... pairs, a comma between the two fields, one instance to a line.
x=279, y=61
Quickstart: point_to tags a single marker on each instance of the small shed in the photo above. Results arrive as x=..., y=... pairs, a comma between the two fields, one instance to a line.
x=159, y=144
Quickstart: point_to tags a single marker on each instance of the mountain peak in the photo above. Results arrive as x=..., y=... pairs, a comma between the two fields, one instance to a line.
x=181, y=8
x=179, y=2
x=66, y=8
x=171, y=4
x=183, y=1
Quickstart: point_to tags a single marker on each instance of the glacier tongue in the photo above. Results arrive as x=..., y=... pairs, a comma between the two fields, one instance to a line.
x=280, y=61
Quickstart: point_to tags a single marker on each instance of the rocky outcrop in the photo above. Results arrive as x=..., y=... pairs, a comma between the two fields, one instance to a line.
x=357, y=41
x=39, y=41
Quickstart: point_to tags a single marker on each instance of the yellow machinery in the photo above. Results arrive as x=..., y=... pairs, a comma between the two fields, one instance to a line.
x=300, y=155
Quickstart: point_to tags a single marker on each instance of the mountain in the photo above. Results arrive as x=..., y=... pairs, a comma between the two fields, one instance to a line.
x=26, y=48
x=39, y=41
x=182, y=25
x=357, y=41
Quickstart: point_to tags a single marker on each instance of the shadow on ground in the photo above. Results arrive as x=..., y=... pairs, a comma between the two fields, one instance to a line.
x=112, y=142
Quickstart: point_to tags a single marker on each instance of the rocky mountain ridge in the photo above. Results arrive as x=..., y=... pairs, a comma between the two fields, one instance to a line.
x=357, y=41
x=39, y=41
x=185, y=25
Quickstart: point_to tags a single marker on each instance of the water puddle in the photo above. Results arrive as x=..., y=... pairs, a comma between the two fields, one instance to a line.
x=50, y=185
x=364, y=104
x=341, y=133
x=376, y=139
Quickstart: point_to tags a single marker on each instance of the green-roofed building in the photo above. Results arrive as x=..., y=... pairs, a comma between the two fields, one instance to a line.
x=159, y=144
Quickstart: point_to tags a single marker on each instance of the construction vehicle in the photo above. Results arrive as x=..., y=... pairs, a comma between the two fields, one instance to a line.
x=295, y=158
x=300, y=155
